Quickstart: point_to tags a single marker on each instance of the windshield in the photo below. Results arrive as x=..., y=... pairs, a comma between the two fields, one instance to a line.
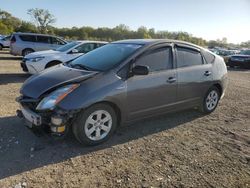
x=245, y=52
x=66, y=47
x=106, y=57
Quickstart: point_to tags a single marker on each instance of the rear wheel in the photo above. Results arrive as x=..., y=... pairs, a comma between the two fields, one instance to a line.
x=211, y=100
x=95, y=125
x=27, y=51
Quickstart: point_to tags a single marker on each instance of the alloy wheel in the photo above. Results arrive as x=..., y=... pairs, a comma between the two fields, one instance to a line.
x=212, y=100
x=98, y=125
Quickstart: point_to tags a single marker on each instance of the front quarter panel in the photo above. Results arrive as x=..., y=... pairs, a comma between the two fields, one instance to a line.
x=102, y=88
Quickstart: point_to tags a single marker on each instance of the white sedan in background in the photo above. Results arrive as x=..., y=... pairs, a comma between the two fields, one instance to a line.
x=36, y=62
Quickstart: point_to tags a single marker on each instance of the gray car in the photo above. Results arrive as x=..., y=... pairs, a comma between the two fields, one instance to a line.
x=122, y=82
x=24, y=43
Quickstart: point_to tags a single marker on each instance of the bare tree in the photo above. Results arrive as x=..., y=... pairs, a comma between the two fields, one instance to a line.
x=42, y=18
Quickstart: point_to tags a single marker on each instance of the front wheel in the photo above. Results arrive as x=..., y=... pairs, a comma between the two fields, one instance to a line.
x=95, y=125
x=211, y=100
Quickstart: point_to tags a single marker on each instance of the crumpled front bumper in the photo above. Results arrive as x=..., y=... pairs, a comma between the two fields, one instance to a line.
x=53, y=121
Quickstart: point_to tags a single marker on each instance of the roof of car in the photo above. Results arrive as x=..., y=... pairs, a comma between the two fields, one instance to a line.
x=37, y=34
x=90, y=41
x=154, y=41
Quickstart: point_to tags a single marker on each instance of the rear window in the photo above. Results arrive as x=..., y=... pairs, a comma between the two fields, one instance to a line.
x=28, y=38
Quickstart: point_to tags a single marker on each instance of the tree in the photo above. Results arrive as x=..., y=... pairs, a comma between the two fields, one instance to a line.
x=27, y=27
x=4, y=29
x=8, y=22
x=42, y=18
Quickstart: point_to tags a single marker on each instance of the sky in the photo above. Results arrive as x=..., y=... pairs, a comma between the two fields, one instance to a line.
x=209, y=19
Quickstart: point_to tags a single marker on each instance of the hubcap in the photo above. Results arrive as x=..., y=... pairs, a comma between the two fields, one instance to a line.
x=212, y=100
x=98, y=125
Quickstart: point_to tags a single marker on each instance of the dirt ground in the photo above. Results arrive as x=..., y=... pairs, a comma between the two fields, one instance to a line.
x=184, y=149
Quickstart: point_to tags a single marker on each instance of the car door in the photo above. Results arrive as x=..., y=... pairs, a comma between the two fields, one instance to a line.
x=155, y=92
x=194, y=75
x=43, y=43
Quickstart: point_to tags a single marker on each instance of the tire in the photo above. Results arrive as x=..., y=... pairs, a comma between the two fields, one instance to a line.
x=1, y=47
x=52, y=63
x=210, y=100
x=88, y=128
x=27, y=51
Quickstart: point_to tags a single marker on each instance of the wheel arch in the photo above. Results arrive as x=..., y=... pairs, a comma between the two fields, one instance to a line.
x=27, y=49
x=115, y=107
x=219, y=87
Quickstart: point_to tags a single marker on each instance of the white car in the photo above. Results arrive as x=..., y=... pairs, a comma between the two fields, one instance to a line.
x=36, y=62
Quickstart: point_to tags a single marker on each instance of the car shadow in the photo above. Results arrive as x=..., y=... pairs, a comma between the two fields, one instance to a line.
x=238, y=69
x=21, y=150
x=10, y=58
x=6, y=78
x=5, y=52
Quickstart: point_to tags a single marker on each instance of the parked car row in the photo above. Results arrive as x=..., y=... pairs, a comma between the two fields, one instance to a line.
x=119, y=83
x=240, y=60
x=234, y=58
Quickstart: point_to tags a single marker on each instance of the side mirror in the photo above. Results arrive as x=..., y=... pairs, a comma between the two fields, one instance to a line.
x=74, y=51
x=140, y=70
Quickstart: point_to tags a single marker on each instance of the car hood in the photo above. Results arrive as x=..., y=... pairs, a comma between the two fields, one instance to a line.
x=56, y=76
x=41, y=54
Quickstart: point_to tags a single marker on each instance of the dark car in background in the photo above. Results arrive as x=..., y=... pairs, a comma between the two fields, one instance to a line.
x=241, y=60
x=122, y=82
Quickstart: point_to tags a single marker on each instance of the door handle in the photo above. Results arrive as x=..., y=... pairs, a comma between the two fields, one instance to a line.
x=171, y=80
x=207, y=73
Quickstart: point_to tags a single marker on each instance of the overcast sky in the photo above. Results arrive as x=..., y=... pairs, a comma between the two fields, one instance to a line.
x=209, y=19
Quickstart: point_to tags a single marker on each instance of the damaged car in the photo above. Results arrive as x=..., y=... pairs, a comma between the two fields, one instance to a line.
x=120, y=83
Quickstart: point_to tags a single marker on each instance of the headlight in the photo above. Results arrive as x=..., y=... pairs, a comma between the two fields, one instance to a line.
x=36, y=59
x=49, y=102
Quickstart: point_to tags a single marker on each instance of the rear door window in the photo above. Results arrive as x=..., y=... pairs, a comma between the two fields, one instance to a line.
x=28, y=38
x=157, y=60
x=188, y=57
x=43, y=39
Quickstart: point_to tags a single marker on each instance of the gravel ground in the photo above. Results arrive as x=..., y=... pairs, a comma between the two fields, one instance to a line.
x=184, y=149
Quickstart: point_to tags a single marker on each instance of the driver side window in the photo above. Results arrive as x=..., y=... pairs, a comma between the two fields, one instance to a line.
x=157, y=60
x=57, y=41
x=85, y=48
